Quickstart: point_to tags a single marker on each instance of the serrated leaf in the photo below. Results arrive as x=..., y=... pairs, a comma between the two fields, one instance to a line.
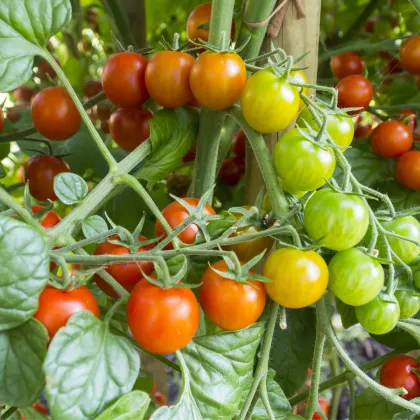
x=94, y=225
x=132, y=406
x=371, y=406
x=87, y=368
x=70, y=188
x=24, y=269
x=347, y=312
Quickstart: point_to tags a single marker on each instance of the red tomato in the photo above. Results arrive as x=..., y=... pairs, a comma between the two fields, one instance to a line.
x=162, y=320
x=40, y=408
x=354, y=91
x=190, y=156
x=127, y=274
x=93, y=88
x=370, y=24
x=1, y=120
x=130, y=127
x=323, y=403
x=105, y=127
x=54, y=114
x=45, y=71
x=175, y=214
x=104, y=113
x=123, y=79
x=49, y=220
x=23, y=94
x=396, y=373
x=40, y=173
x=57, y=306
x=239, y=144
x=346, y=64
x=407, y=169
x=362, y=130
x=168, y=78
x=13, y=114
x=232, y=170
x=410, y=55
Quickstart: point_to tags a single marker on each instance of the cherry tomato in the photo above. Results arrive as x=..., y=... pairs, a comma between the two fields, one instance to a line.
x=54, y=114
x=123, y=79
x=57, y=306
x=23, y=94
x=300, y=77
x=217, y=79
x=299, y=278
x=14, y=113
x=336, y=220
x=379, y=316
x=162, y=320
x=355, y=278
x=45, y=70
x=269, y=104
x=190, y=156
x=303, y=165
x=323, y=403
x=407, y=169
x=353, y=92
x=229, y=304
x=1, y=120
x=346, y=64
x=93, y=88
x=40, y=173
x=105, y=127
x=362, y=130
x=396, y=373
x=130, y=127
x=370, y=24
x=104, y=113
x=175, y=214
x=168, y=78
x=410, y=55
x=409, y=303
x=49, y=220
x=232, y=170
x=239, y=144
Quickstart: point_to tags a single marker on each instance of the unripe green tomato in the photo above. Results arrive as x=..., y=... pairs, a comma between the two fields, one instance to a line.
x=409, y=303
x=327, y=22
x=355, y=278
x=416, y=278
x=413, y=23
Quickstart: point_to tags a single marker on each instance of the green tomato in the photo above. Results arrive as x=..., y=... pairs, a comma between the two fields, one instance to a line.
x=336, y=220
x=301, y=164
x=409, y=303
x=355, y=278
x=379, y=316
x=416, y=279
x=340, y=128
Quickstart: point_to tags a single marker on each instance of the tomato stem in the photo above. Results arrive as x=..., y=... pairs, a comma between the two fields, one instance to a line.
x=113, y=309
x=352, y=402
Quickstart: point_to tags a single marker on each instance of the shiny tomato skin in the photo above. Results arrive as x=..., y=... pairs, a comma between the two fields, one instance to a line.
x=168, y=78
x=232, y=170
x=40, y=172
x=229, y=304
x=57, y=306
x=162, y=320
x=49, y=220
x=353, y=92
x=299, y=278
x=54, y=114
x=355, y=278
x=410, y=55
x=300, y=77
x=396, y=373
x=409, y=303
x=338, y=221
x=407, y=169
x=347, y=64
x=391, y=139
x=93, y=88
x=123, y=79
x=239, y=144
x=303, y=165
x=269, y=104
x=129, y=127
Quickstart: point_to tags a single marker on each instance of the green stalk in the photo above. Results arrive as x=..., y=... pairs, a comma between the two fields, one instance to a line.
x=335, y=370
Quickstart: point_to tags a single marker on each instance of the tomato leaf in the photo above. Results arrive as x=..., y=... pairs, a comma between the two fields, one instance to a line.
x=94, y=225
x=370, y=405
x=70, y=188
x=22, y=352
x=87, y=368
x=130, y=406
x=413, y=330
x=402, y=198
x=25, y=27
x=215, y=228
x=196, y=267
x=347, y=312
x=24, y=269
x=405, y=415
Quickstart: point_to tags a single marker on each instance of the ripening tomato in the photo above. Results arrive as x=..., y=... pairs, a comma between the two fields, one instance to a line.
x=45, y=71
x=229, y=304
x=410, y=55
x=407, y=169
x=54, y=114
x=355, y=278
x=391, y=139
x=300, y=77
x=354, y=92
x=93, y=88
x=168, y=78
x=396, y=373
x=346, y=64
x=49, y=220
x=23, y=94
x=239, y=144
x=217, y=79
x=232, y=170
x=130, y=127
x=57, y=306
x=40, y=172
x=299, y=278
x=303, y=165
x=362, y=130
x=123, y=79
x=336, y=220
x=409, y=303
x=162, y=320
x=269, y=104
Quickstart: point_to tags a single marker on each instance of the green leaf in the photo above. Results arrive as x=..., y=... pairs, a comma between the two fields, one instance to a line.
x=370, y=405
x=70, y=188
x=347, y=312
x=216, y=228
x=25, y=27
x=31, y=414
x=24, y=269
x=196, y=267
x=94, y=225
x=172, y=133
x=402, y=198
x=87, y=368
x=22, y=352
x=413, y=330
x=405, y=415
x=132, y=406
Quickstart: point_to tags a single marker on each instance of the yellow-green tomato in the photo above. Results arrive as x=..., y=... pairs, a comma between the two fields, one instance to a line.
x=299, y=278
x=301, y=164
x=355, y=278
x=409, y=303
x=269, y=104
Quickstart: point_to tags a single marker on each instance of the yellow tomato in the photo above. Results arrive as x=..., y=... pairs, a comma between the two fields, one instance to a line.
x=300, y=77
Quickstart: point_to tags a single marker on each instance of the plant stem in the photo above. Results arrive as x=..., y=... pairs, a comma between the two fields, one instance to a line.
x=335, y=370
x=352, y=402
x=221, y=23
x=8, y=413
x=114, y=308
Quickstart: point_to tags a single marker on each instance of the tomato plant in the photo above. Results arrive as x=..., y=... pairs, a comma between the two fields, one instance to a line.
x=347, y=64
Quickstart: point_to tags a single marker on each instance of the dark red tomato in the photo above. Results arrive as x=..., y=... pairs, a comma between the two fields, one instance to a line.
x=410, y=55
x=104, y=113
x=354, y=91
x=190, y=156
x=45, y=71
x=54, y=114
x=346, y=64
x=130, y=127
x=162, y=320
x=93, y=88
x=370, y=24
x=396, y=373
x=232, y=170
x=168, y=78
x=391, y=139
x=407, y=169
x=1, y=120
x=239, y=144
x=23, y=94
x=105, y=127
x=175, y=214
x=49, y=220
x=13, y=114
x=362, y=130
x=394, y=66
x=40, y=172
x=127, y=274
x=57, y=306
x=123, y=79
